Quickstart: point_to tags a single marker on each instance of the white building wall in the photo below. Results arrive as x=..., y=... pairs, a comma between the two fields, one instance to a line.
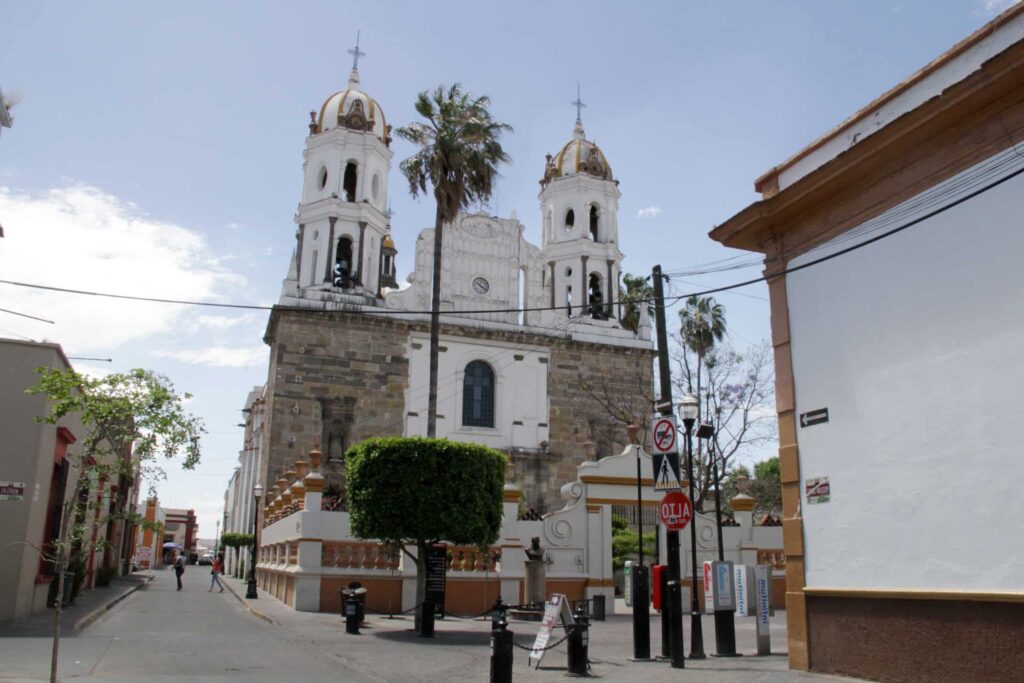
x=914, y=345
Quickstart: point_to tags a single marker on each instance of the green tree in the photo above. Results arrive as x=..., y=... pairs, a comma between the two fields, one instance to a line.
x=634, y=293
x=702, y=323
x=132, y=421
x=765, y=488
x=626, y=542
x=459, y=157
x=419, y=491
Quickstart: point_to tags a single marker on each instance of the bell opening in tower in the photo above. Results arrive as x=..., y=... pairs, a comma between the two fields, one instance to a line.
x=595, y=298
x=593, y=223
x=343, y=264
x=349, y=183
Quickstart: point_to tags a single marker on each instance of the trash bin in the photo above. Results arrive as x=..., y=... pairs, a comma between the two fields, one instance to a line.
x=597, y=611
x=357, y=589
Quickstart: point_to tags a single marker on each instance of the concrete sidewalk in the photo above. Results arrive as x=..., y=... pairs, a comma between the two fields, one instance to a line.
x=388, y=649
x=88, y=607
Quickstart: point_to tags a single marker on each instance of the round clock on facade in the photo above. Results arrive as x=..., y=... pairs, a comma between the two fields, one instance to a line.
x=480, y=285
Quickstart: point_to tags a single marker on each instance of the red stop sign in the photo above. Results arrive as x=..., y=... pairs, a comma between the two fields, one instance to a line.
x=675, y=510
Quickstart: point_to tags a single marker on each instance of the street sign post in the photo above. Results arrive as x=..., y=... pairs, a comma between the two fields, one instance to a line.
x=675, y=510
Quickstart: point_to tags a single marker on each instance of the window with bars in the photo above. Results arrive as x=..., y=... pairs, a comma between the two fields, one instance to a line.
x=478, y=395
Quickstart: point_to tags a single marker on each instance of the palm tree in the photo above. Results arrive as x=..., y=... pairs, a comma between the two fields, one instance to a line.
x=702, y=324
x=635, y=292
x=459, y=156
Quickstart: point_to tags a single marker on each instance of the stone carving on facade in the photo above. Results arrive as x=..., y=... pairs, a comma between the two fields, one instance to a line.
x=356, y=118
x=550, y=172
x=595, y=166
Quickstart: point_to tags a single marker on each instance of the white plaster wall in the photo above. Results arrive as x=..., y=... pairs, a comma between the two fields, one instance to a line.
x=914, y=345
x=520, y=394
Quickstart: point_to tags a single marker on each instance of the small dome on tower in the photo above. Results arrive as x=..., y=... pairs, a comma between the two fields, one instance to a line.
x=353, y=109
x=579, y=155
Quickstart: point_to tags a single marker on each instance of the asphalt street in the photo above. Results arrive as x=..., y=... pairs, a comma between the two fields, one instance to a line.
x=159, y=635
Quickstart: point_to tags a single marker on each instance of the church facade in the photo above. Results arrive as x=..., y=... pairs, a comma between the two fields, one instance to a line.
x=533, y=358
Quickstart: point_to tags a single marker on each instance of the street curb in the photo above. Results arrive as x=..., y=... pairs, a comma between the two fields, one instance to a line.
x=103, y=609
x=249, y=607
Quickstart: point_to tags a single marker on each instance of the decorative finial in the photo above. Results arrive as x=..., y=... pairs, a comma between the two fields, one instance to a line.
x=578, y=103
x=356, y=53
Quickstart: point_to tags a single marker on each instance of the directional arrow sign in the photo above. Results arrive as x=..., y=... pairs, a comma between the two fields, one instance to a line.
x=814, y=417
x=666, y=471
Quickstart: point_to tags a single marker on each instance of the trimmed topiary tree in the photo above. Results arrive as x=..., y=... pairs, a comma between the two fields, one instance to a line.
x=419, y=491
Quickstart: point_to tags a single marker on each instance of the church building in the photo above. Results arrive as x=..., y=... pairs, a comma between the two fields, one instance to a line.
x=533, y=360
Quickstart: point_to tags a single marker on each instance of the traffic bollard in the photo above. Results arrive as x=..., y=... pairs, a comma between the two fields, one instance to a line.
x=497, y=612
x=666, y=615
x=351, y=614
x=501, y=652
x=579, y=637
x=427, y=619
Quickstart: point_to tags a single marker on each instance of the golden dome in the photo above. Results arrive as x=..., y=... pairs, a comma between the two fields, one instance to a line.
x=579, y=155
x=387, y=242
x=353, y=109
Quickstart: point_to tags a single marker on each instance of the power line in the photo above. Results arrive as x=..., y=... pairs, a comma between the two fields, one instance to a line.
x=647, y=300
x=26, y=315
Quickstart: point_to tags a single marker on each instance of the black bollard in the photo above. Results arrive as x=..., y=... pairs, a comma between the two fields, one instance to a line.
x=351, y=614
x=497, y=612
x=666, y=615
x=501, y=652
x=579, y=637
x=641, y=615
x=427, y=619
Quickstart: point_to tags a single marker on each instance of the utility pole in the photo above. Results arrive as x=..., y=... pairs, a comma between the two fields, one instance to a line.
x=664, y=406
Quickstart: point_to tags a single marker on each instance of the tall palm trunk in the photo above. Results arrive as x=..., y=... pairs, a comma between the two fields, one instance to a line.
x=435, y=324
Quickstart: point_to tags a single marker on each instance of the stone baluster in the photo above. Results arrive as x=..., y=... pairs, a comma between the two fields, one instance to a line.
x=314, y=482
x=289, y=479
x=299, y=487
x=271, y=510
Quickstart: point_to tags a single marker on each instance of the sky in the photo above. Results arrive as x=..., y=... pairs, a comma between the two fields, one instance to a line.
x=157, y=149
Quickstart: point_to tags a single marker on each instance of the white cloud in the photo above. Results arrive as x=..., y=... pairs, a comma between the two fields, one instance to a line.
x=223, y=322
x=233, y=226
x=997, y=6
x=649, y=212
x=219, y=356
x=80, y=237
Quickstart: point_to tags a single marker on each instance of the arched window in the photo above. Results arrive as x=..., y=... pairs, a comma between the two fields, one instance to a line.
x=593, y=223
x=342, y=276
x=570, y=219
x=595, y=298
x=478, y=395
x=349, y=182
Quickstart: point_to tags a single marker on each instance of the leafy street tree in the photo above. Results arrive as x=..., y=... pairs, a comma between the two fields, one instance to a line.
x=459, y=157
x=626, y=542
x=738, y=400
x=765, y=488
x=237, y=541
x=415, y=491
x=634, y=293
x=131, y=421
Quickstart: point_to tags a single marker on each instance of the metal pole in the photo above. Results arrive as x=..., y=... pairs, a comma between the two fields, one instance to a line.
x=250, y=592
x=674, y=598
x=641, y=585
x=696, y=630
x=725, y=623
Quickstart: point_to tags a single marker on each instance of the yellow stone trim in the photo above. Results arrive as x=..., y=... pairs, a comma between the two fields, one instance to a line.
x=601, y=583
x=593, y=508
x=742, y=504
x=621, y=501
x=615, y=481
x=512, y=496
x=917, y=594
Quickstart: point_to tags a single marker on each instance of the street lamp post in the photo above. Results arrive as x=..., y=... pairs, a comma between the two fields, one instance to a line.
x=216, y=538
x=641, y=589
x=725, y=625
x=688, y=408
x=257, y=493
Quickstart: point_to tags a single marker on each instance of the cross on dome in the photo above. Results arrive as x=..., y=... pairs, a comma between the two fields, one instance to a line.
x=578, y=103
x=356, y=53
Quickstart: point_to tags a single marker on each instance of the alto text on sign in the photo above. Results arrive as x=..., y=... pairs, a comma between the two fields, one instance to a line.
x=675, y=510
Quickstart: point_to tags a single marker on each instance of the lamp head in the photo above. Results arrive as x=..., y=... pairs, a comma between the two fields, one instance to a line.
x=257, y=491
x=688, y=409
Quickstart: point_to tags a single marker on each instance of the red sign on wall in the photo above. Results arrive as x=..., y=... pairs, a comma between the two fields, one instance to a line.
x=675, y=510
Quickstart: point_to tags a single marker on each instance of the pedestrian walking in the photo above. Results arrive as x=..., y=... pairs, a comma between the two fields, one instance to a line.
x=179, y=568
x=218, y=569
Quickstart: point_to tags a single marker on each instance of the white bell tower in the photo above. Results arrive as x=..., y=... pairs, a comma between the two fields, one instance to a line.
x=579, y=201
x=342, y=216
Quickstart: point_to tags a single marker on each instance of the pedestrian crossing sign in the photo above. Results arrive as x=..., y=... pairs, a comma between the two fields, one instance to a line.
x=666, y=471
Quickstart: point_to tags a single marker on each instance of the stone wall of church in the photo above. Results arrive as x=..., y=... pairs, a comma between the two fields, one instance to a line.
x=335, y=379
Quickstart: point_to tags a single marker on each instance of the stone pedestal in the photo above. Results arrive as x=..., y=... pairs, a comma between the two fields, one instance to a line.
x=535, y=581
